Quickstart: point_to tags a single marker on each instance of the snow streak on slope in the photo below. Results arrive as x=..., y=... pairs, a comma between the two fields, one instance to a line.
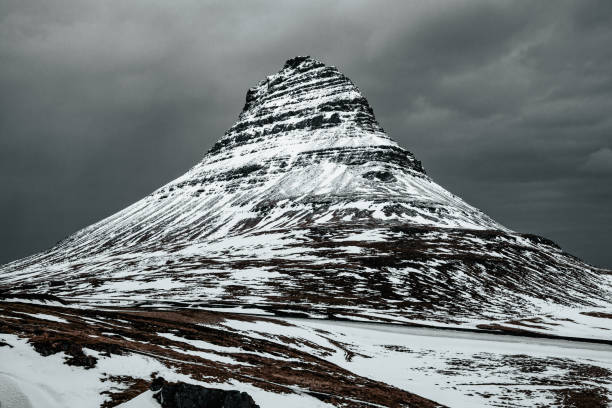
x=306, y=204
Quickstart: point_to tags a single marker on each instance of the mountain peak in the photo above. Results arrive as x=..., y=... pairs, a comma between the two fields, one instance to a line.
x=305, y=151
x=308, y=88
x=301, y=60
x=306, y=106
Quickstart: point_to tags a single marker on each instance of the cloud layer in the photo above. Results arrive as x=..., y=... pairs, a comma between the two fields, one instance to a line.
x=507, y=106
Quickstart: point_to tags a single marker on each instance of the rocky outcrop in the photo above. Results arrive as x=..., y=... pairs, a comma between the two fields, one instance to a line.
x=183, y=395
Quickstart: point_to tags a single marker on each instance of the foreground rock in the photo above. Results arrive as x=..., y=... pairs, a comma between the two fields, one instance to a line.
x=181, y=395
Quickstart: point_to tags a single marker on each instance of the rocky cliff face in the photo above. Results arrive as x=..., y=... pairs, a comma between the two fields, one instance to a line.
x=306, y=205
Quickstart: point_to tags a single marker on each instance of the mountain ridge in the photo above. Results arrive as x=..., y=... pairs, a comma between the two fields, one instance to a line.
x=306, y=204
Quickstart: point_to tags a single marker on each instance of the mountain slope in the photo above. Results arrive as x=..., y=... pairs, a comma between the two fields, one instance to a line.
x=306, y=205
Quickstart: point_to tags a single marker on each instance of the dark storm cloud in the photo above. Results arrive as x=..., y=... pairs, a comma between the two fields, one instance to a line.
x=507, y=103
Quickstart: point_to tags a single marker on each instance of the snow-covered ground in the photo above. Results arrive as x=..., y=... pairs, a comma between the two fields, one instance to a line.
x=283, y=361
x=461, y=369
x=29, y=380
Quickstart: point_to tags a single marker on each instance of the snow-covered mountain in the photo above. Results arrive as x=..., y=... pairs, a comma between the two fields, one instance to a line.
x=307, y=206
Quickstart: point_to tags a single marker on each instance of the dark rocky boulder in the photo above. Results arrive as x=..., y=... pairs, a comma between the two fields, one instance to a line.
x=183, y=395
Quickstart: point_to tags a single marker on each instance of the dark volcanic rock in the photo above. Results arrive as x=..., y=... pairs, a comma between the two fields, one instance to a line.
x=47, y=346
x=42, y=297
x=5, y=344
x=182, y=395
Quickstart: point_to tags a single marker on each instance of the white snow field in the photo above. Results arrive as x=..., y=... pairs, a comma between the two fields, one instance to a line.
x=455, y=369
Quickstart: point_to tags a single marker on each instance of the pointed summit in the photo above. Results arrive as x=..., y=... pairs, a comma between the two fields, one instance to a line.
x=301, y=60
x=306, y=95
x=298, y=70
x=308, y=113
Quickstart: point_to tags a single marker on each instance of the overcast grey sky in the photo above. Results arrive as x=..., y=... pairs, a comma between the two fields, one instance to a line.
x=508, y=104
